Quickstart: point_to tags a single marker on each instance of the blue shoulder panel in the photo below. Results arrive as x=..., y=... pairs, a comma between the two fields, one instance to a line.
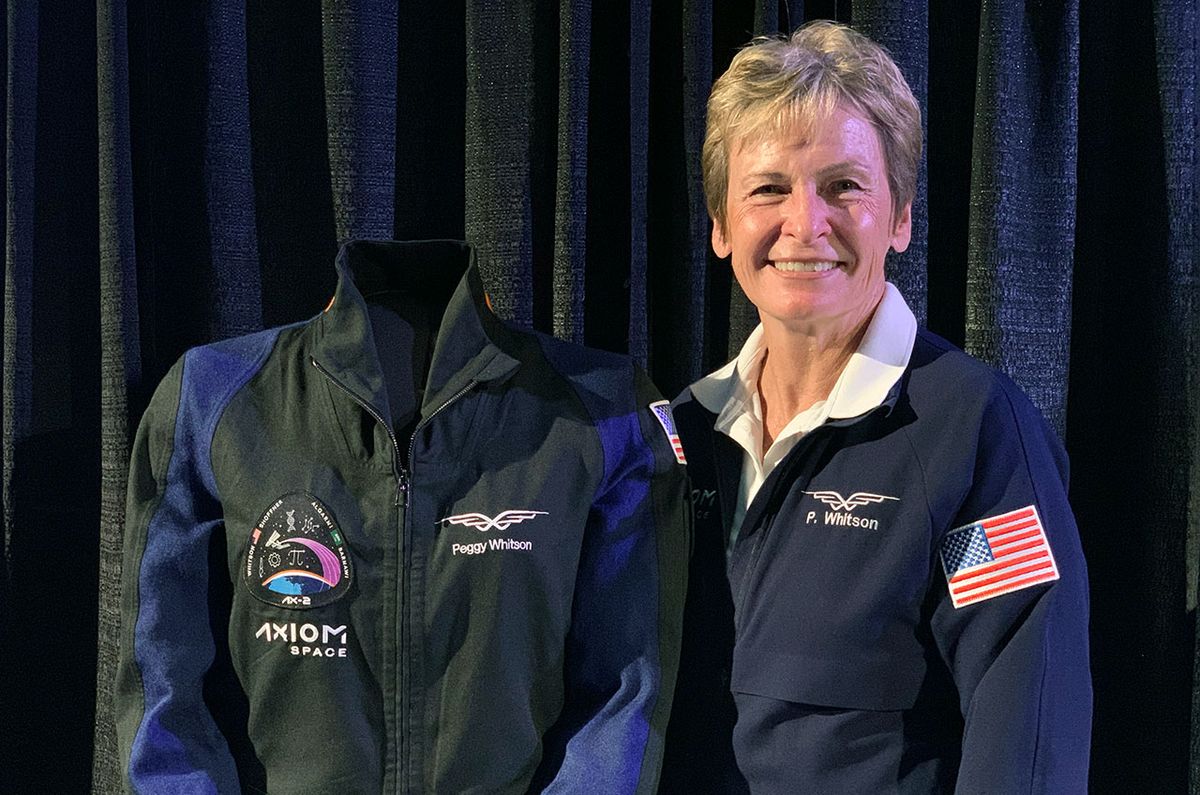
x=177, y=746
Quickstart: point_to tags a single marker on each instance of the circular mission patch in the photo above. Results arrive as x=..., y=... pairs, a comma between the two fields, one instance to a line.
x=297, y=556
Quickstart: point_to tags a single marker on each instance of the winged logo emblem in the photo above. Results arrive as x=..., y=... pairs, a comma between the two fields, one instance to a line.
x=839, y=503
x=483, y=523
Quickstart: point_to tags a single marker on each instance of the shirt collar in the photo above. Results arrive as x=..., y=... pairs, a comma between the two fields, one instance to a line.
x=863, y=385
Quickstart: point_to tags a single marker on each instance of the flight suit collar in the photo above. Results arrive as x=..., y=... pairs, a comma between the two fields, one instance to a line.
x=869, y=379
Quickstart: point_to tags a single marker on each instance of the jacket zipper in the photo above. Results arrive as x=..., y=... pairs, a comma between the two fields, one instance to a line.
x=405, y=639
x=400, y=502
x=403, y=484
x=412, y=441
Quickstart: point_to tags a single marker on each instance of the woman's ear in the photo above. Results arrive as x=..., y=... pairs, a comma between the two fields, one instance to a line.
x=720, y=247
x=902, y=233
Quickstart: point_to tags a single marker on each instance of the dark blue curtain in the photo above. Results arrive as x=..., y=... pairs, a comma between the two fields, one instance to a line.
x=179, y=175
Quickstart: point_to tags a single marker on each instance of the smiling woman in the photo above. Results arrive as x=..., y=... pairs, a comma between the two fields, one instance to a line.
x=808, y=222
x=892, y=640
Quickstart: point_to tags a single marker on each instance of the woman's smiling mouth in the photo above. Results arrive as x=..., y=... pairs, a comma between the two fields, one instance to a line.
x=795, y=266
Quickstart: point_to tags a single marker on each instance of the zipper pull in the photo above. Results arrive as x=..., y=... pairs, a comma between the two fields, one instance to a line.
x=402, y=490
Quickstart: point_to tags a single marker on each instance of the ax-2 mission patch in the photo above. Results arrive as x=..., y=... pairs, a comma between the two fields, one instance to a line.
x=297, y=556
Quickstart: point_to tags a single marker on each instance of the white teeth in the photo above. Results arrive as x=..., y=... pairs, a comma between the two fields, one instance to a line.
x=803, y=267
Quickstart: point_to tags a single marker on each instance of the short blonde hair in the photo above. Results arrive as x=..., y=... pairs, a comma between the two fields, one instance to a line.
x=777, y=81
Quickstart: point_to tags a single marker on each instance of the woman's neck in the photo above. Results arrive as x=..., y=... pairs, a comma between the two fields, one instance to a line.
x=800, y=370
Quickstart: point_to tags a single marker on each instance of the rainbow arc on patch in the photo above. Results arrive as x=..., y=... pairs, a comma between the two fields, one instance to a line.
x=302, y=581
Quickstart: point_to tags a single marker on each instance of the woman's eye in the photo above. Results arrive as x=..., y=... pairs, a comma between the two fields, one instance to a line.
x=844, y=185
x=769, y=190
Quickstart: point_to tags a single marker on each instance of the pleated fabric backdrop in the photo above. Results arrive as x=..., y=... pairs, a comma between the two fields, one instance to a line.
x=176, y=176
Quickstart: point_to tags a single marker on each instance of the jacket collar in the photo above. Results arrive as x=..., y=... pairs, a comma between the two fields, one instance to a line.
x=470, y=343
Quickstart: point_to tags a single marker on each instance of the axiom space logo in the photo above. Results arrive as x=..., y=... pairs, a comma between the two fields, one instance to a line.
x=297, y=557
x=306, y=640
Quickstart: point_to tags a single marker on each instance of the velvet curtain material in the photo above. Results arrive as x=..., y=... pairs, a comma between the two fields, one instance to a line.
x=177, y=176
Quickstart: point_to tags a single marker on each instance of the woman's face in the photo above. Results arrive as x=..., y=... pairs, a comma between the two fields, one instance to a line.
x=809, y=222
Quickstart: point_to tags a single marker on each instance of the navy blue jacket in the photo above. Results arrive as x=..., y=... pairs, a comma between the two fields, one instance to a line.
x=400, y=547
x=829, y=656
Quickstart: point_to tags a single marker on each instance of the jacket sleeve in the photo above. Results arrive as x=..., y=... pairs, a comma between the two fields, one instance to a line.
x=168, y=740
x=1018, y=652
x=622, y=651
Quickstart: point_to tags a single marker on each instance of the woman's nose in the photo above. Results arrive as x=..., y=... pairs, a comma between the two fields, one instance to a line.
x=805, y=215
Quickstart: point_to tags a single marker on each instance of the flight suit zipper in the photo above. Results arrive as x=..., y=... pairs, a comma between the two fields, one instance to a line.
x=787, y=483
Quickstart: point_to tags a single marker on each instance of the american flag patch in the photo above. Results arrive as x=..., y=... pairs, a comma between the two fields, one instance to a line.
x=662, y=412
x=997, y=555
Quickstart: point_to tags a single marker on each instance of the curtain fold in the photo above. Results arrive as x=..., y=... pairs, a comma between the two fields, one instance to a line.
x=1022, y=221
x=120, y=359
x=639, y=155
x=229, y=178
x=677, y=273
x=431, y=84
x=690, y=301
x=570, y=215
x=51, y=395
x=1127, y=430
x=296, y=224
x=499, y=181
x=359, y=45
x=1177, y=31
x=21, y=107
x=1177, y=61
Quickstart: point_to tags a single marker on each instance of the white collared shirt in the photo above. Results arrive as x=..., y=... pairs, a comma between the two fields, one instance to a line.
x=873, y=369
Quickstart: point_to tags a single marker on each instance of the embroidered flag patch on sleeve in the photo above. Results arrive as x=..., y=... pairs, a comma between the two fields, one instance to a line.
x=997, y=555
x=662, y=412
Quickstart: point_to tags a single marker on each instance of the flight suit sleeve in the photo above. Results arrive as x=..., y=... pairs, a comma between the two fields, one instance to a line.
x=168, y=740
x=622, y=652
x=1014, y=630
